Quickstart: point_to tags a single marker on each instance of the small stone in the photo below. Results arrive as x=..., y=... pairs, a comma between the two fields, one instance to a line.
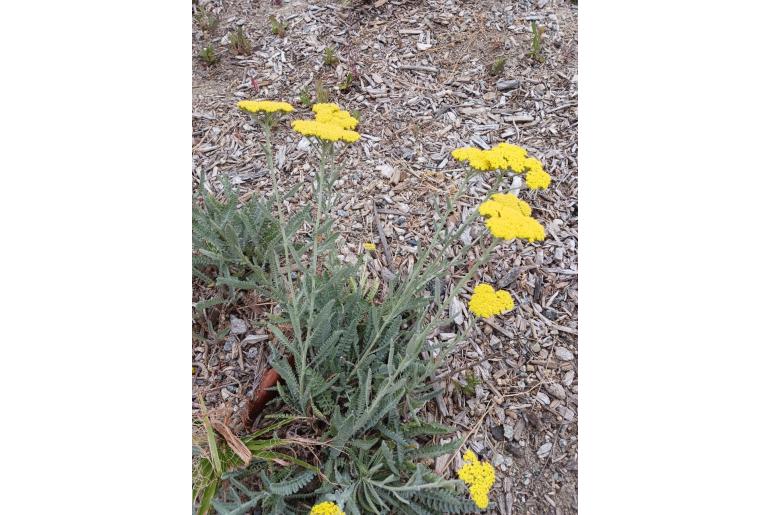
x=237, y=326
x=542, y=398
x=508, y=431
x=304, y=145
x=505, y=85
x=556, y=390
x=515, y=450
x=568, y=378
x=544, y=450
x=455, y=311
x=252, y=353
x=536, y=348
x=342, y=213
x=567, y=413
x=386, y=170
x=229, y=342
x=563, y=354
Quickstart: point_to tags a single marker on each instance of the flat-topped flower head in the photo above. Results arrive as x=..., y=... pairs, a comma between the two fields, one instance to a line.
x=505, y=157
x=475, y=157
x=502, y=156
x=325, y=107
x=370, y=246
x=324, y=131
x=326, y=508
x=486, y=302
x=479, y=476
x=508, y=218
x=513, y=156
x=537, y=178
x=331, y=113
x=494, y=206
x=264, y=106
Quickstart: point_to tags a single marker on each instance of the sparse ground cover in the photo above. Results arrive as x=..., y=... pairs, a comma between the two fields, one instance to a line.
x=424, y=78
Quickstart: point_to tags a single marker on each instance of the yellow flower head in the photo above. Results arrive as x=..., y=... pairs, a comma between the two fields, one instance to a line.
x=509, y=218
x=324, y=131
x=479, y=476
x=331, y=113
x=498, y=201
x=326, y=508
x=512, y=227
x=513, y=156
x=533, y=164
x=266, y=106
x=370, y=246
x=538, y=179
x=325, y=107
x=486, y=302
x=476, y=158
x=502, y=156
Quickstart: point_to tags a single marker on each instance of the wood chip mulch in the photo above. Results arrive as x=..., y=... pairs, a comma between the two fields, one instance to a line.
x=423, y=86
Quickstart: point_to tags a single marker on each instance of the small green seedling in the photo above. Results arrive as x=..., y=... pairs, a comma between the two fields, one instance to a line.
x=536, y=52
x=207, y=21
x=321, y=93
x=497, y=67
x=239, y=43
x=469, y=388
x=208, y=55
x=304, y=98
x=347, y=83
x=329, y=58
x=278, y=28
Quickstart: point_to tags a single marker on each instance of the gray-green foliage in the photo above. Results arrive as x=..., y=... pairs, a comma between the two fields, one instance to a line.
x=239, y=240
x=357, y=370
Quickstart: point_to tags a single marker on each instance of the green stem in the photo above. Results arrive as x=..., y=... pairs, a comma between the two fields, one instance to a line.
x=327, y=152
x=267, y=147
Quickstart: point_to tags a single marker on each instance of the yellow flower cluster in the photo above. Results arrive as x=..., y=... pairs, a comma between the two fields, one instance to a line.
x=480, y=476
x=325, y=131
x=502, y=156
x=486, y=302
x=505, y=156
x=537, y=178
x=330, y=124
x=370, y=246
x=331, y=113
x=509, y=218
x=266, y=106
x=326, y=508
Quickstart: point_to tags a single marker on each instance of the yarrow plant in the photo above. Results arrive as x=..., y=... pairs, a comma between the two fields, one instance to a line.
x=356, y=356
